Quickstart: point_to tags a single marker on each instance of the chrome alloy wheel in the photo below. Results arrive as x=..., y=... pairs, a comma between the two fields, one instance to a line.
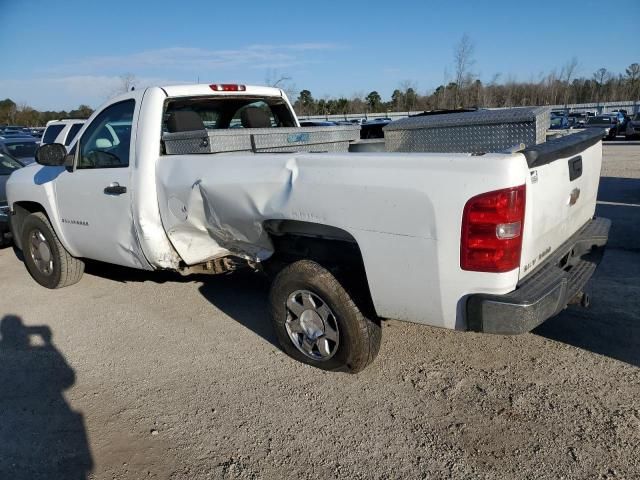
x=40, y=252
x=311, y=325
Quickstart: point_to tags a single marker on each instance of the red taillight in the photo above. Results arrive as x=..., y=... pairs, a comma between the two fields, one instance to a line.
x=227, y=87
x=492, y=231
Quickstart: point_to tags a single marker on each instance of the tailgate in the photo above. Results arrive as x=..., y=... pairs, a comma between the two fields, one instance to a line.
x=564, y=174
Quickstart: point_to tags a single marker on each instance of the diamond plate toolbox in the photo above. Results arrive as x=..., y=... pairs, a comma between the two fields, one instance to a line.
x=287, y=139
x=469, y=132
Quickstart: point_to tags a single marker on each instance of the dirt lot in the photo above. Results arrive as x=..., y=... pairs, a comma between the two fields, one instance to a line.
x=132, y=375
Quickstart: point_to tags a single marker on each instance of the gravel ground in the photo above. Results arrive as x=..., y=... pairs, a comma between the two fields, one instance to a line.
x=130, y=375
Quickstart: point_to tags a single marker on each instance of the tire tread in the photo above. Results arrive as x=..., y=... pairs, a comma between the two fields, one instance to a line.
x=368, y=334
x=71, y=268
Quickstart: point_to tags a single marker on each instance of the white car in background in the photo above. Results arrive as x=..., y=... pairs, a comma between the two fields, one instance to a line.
x=62, y=131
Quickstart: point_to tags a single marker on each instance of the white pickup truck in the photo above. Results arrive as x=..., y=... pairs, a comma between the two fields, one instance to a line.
x=494, y=243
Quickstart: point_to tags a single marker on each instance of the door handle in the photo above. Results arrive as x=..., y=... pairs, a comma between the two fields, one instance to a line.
x=115, y=189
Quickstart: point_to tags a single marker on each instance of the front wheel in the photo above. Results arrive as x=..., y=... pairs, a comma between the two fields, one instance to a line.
x=46, y=259
x=318, y=323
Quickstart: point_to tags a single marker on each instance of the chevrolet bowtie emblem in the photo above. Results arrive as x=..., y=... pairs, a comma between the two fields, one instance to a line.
x=573, y=198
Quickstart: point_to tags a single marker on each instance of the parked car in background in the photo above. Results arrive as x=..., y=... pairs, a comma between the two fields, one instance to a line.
x=623, y=119
x=8, y=165
x=373, y=128
x=578, y=119
x=633, y=127
x=37, y=132
x=8, y=133
x=22, y=148
x=608, y=122
x=62, y=131
x=559, y=122
x=316, y=123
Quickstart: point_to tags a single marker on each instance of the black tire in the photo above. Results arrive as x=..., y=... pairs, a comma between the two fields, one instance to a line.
x=65, y=269
x=359, y=336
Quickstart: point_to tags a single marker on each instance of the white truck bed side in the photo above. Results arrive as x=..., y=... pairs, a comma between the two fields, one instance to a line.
x=404, y=211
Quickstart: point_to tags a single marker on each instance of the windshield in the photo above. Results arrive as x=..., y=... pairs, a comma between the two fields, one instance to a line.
x=8, y=164
x=556, y=121
x=636, y=117
x=21, y=149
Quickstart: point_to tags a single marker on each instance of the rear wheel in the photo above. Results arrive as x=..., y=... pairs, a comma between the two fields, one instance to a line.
x=46, y=259
x=318, y=323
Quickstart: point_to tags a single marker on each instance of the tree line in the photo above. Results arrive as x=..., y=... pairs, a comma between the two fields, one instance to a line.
x=464, y=90
x=14, y=114
x=555, y=88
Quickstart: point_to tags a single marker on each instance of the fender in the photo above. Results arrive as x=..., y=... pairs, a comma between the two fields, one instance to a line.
x=29, y=190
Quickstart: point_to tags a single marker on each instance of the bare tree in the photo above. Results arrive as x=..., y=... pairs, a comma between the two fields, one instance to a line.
x=600, y=77
x=568, y=72
x=277, y=79
x=409, y=92
x=463, y=60
x=274, y=78
x=633, y=77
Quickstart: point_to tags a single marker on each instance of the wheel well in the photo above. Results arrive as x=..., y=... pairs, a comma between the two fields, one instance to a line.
x=21, y=210
x=333, y=248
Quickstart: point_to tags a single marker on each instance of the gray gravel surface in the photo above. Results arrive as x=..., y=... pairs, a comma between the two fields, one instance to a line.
x=131, y=375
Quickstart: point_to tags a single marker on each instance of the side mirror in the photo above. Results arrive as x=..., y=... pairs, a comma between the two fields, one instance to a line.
x=51, y=155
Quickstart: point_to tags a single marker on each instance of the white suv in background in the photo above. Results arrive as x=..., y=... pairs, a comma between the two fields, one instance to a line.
x=62, y=131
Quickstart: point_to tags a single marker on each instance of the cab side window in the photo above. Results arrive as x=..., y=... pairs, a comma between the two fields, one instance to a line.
x=107, y=140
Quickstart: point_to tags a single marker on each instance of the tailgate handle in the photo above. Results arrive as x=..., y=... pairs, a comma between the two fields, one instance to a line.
x=575, y=168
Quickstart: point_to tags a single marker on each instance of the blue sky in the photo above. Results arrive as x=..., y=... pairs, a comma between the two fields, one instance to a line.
x=58, y=54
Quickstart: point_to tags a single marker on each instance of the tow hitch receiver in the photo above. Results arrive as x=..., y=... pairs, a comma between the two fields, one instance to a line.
x=583, y=299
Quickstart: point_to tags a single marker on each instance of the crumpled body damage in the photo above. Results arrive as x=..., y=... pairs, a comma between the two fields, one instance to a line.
x=211, y=209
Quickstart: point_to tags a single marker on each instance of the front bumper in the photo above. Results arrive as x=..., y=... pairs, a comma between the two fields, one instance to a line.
x=545, y=292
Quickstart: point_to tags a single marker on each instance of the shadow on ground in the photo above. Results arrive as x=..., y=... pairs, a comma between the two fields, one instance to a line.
x=242, y=295
x=40, y=436
x=612, y=326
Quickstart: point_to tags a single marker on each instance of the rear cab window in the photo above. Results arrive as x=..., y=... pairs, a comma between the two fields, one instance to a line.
x=231, y=112
x=51, y=133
